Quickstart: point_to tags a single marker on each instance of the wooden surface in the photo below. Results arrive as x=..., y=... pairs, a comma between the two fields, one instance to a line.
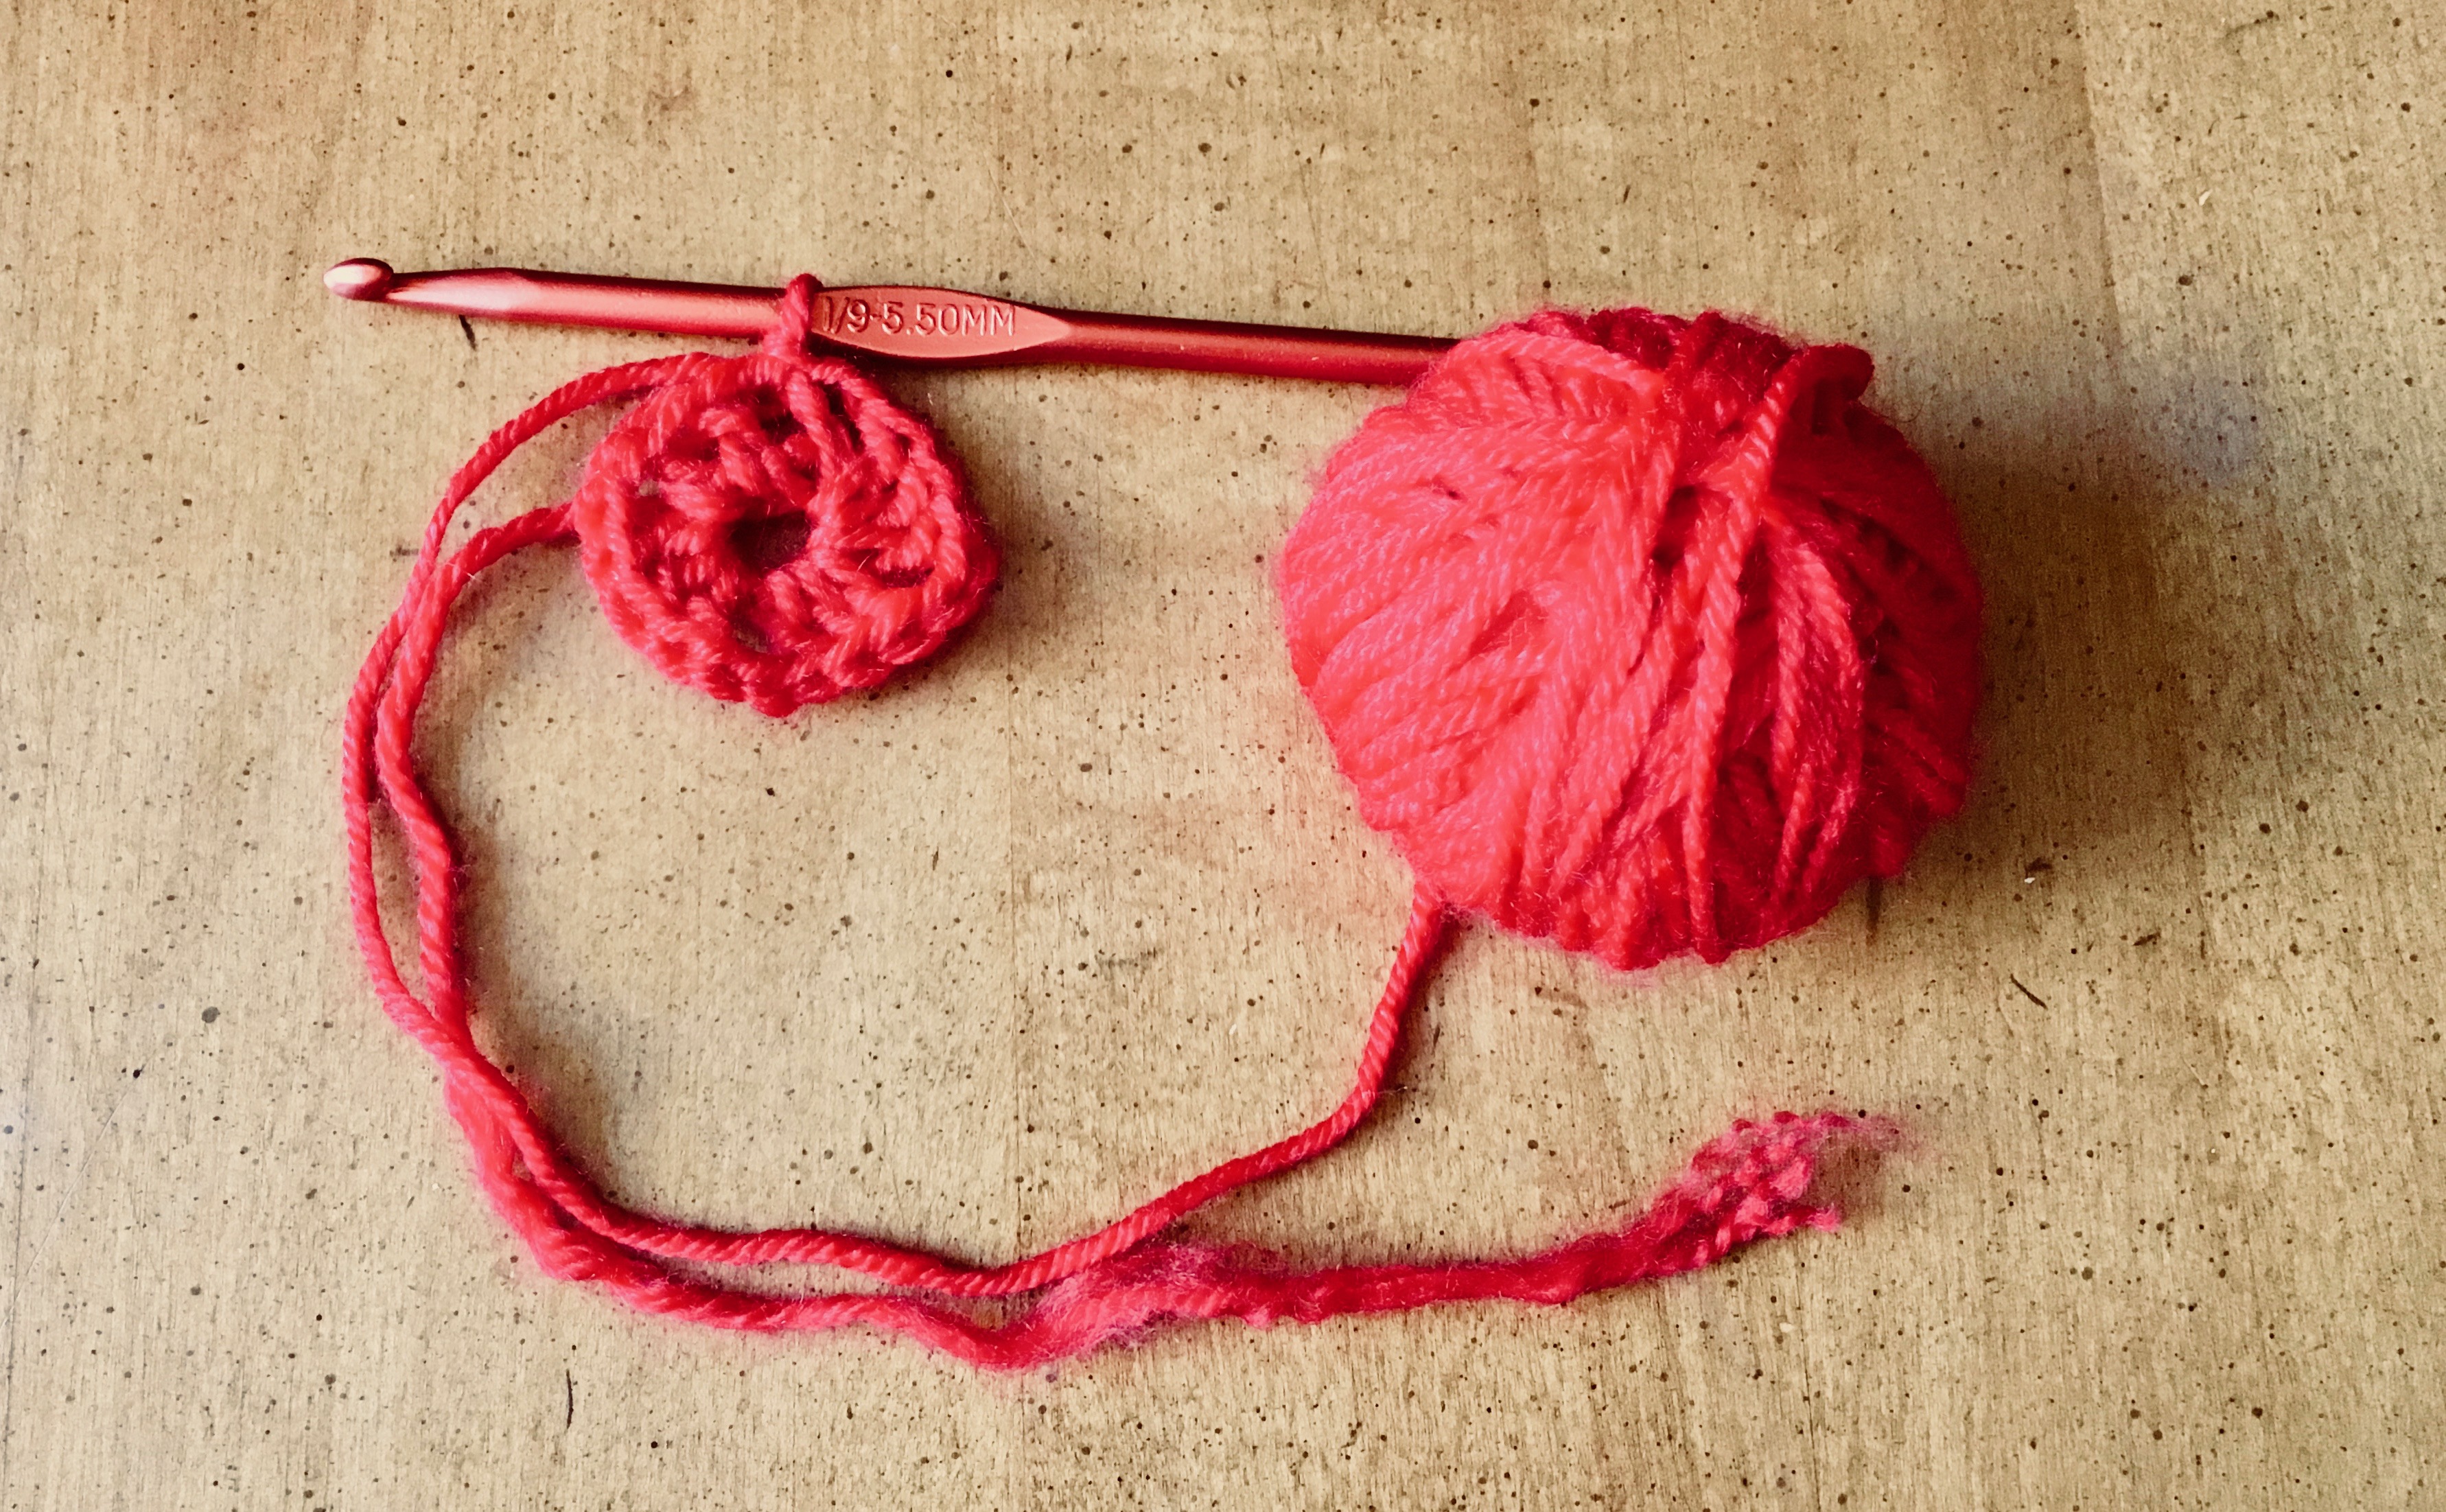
x=2158, y=288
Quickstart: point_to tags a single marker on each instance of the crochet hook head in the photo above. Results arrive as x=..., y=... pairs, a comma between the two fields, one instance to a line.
x=932, y=326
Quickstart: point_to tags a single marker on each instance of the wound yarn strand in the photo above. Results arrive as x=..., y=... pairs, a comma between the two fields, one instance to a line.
x=1637, y=633
x=890, y=561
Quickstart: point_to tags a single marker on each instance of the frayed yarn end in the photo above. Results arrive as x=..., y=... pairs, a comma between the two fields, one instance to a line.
x=1751, y=1183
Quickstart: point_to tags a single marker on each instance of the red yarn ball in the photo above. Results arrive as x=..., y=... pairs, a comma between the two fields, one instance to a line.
x=773, y=529
x=1638, y=633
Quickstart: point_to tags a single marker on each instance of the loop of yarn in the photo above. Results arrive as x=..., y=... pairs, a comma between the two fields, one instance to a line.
x=1638, y=633
x=1522, y=625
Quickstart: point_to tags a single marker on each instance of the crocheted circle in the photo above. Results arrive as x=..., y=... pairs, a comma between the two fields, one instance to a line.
x=1638, y=633
x=773, y=529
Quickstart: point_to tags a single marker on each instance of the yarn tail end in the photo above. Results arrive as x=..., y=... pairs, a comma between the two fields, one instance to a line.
x=1757, y=1180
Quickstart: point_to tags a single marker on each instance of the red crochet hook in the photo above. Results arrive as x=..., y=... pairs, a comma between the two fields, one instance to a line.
x=931, y=327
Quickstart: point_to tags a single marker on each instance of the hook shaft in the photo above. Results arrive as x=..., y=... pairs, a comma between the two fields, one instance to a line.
x=927, y=326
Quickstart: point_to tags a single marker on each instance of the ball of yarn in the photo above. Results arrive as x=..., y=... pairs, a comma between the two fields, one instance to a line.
x=1638, y=633
x=773, y=529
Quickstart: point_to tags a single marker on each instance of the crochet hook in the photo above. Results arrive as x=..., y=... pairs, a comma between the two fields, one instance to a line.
x=927, y=327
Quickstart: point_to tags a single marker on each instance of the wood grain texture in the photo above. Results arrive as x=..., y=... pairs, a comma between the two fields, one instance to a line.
x=2160, y=290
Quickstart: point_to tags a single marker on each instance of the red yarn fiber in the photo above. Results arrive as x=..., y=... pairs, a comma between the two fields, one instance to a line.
x=727, y=458
x=773, y=529
x=1638, y=633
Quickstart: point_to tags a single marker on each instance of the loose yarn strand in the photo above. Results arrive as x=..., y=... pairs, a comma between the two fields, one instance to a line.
x=894, y=563
x=378, y=731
